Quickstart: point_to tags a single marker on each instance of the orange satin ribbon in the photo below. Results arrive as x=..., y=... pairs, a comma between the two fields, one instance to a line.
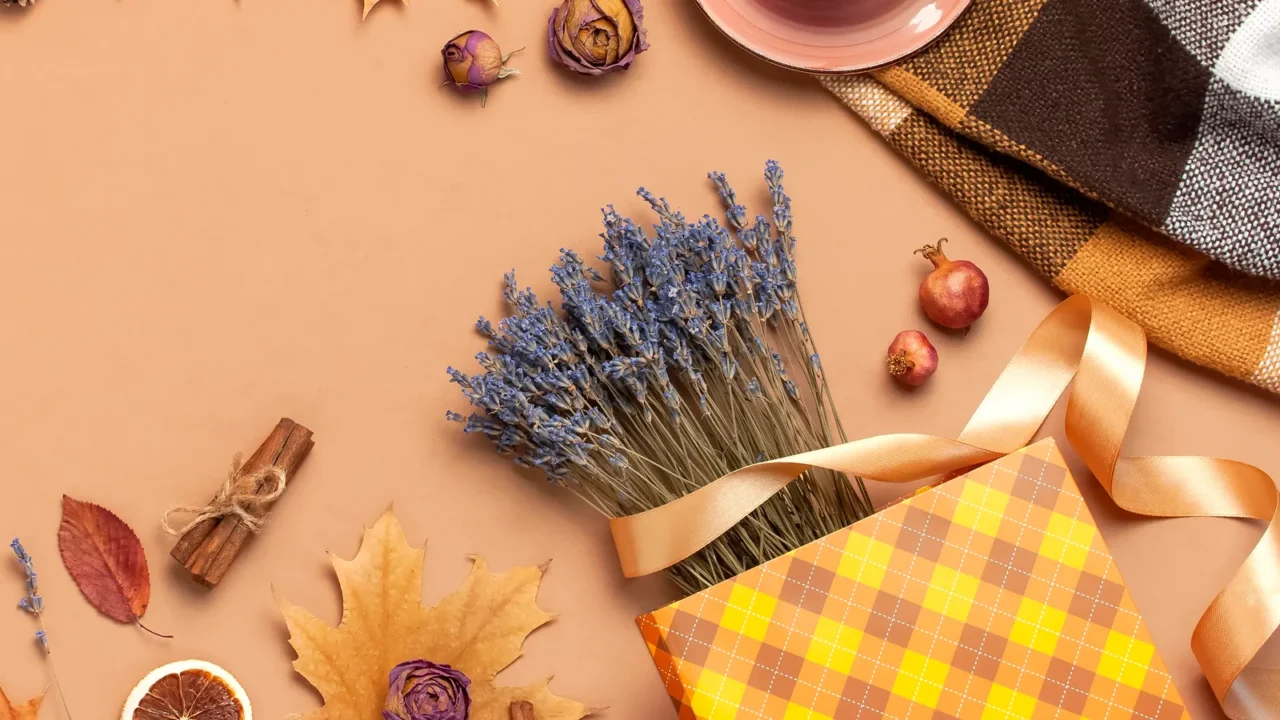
x=1106, y=354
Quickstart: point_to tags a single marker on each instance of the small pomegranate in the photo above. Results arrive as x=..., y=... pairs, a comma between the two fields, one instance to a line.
x=956, y=293
x=912, y=358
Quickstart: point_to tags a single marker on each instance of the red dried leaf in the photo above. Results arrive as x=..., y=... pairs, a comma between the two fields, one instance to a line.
x=106, y=560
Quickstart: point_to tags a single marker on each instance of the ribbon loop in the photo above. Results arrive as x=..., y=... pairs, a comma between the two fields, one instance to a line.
x=1106, y=355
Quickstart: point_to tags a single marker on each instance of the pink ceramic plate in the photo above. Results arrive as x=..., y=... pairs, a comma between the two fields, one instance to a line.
x=833, y=36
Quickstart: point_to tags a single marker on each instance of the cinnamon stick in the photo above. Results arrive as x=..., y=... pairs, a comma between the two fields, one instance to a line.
x=522, y=710
x=295, y=451
x=264, y=456
x=214, y=553
x=213, y=543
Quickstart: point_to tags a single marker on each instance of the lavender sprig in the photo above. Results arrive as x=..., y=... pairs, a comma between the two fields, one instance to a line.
x=33, y=603
x=691, y=357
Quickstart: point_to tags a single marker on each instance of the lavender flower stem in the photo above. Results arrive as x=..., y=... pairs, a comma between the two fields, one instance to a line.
x=689, y=357
x=33, y=603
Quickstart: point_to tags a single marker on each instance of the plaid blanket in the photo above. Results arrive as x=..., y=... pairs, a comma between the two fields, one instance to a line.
x=1127, y=149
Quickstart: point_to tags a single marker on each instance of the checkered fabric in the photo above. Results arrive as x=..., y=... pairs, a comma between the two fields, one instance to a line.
x=1126, y=149
x=989, y=596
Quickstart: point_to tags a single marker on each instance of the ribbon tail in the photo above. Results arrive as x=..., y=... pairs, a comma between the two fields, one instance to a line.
x=1105, y=354
x=659, y=538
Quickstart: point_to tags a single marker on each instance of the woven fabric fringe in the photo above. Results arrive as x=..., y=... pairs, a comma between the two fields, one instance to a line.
x=1089, y=187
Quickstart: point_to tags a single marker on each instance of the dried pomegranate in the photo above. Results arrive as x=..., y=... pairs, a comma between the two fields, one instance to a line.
x=956, y=293
x=912, y=358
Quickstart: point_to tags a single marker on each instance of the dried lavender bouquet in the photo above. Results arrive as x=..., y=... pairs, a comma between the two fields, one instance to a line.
x=691, y=359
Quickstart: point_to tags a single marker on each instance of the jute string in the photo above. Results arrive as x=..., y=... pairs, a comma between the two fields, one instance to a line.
x=237, y=497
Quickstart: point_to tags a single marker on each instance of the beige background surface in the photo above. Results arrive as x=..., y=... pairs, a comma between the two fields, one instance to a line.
x=217, y=213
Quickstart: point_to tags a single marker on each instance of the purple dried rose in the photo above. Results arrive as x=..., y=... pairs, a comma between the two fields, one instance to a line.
x=594, y=37
x=423, y=690
x=473, y=61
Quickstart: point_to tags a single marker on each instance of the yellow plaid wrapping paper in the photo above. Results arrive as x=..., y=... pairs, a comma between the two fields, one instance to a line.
x=990, y=596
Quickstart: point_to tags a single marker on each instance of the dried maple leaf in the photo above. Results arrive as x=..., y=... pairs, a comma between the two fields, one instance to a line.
x=368, y=5
x=106, y=560
x=25, y=711
x=478, y=630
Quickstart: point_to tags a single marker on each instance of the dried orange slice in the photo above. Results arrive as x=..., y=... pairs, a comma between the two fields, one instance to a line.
x=188, y=690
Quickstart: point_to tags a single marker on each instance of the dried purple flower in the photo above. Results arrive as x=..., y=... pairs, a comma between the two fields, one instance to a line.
x=473, y=61
x=423, y=690
x=33, y=603
x=688, y=356
x=594, y=37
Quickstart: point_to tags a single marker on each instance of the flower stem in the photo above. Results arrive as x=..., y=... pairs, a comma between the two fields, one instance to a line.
x=53, y=670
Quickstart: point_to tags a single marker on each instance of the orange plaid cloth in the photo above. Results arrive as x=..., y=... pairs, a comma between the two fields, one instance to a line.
x=989, y=596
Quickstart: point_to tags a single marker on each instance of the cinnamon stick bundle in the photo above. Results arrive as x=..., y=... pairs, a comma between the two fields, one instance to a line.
x=209, y=548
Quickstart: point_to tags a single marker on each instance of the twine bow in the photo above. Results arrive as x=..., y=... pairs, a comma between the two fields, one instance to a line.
x=247, y=497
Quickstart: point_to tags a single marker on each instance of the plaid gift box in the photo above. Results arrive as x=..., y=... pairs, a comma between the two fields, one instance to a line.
x=992, y=595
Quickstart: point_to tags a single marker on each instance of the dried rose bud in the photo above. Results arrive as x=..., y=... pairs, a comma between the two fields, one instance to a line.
x=423, y=690
x=594, y=37
x=473, y=61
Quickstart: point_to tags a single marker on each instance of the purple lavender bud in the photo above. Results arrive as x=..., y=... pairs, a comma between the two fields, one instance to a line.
x=594, y=37
x=473, y=61
x=423, y=690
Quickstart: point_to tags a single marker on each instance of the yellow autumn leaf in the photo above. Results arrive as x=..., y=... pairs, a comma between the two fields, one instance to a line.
x=27, y=711
x=368, y=5
x=478, y=630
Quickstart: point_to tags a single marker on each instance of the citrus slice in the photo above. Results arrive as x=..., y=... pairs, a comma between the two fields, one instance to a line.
x=188, y=690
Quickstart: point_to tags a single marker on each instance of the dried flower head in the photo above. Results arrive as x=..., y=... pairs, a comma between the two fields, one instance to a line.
x=473, y=61
x=423, y=690
x=690, y=359
x=594, y=37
